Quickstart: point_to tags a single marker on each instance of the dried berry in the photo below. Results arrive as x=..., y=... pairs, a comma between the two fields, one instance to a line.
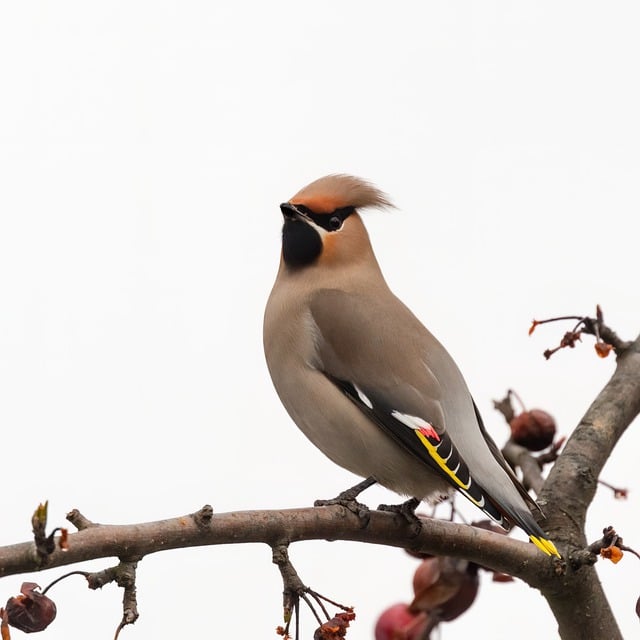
x=398, y=623
x=31, y=611
x=463, y=599
x=612, y=553
x=426, y=576
x=603, y=349
x=445, y=585
x=336, y=628
x=533, y=429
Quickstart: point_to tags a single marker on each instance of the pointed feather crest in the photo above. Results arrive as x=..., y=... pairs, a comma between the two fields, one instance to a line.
x=338, y=190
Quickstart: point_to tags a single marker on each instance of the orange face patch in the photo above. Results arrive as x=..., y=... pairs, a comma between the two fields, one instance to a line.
x=329, y=248
x=319, y=204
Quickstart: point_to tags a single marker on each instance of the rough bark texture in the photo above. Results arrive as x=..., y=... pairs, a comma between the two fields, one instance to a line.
x=276, y=528
x=577, y=599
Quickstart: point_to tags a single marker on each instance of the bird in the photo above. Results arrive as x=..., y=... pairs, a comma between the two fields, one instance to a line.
x=363, y=378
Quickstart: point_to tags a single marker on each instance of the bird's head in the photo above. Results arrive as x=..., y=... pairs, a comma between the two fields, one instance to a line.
x=321, y=223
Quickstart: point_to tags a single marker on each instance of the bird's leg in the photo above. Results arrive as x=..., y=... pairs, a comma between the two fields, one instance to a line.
x=407, y=510
x=348, y=500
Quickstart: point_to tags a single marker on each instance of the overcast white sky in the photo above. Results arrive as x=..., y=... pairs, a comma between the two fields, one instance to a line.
x=144, y=149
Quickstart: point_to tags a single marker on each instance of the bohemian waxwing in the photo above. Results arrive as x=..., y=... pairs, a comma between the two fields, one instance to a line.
x=361, y=376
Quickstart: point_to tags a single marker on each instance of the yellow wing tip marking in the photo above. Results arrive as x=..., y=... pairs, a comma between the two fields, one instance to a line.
x=546, y=546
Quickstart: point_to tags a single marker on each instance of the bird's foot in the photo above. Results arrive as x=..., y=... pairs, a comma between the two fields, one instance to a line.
x=407, y=511
x=347, y=499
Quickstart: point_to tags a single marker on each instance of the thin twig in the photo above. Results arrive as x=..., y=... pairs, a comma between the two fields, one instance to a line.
x=66, y=575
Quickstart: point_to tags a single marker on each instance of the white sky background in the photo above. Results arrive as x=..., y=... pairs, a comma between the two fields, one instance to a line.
x=144, y=149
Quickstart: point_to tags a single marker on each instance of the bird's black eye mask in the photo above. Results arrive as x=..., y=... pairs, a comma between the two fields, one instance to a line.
x=329, y=222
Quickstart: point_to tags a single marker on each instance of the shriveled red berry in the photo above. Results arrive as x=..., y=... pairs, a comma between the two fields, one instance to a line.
x=31, y=611
x=533, y=429
x=463, y=599
x=398, y=623
x=426, y=575
x=445, y=586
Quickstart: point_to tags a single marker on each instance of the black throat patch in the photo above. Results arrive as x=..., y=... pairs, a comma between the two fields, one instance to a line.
x=301, y=243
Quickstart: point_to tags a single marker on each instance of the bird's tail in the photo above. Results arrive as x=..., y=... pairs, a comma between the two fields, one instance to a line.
x=523, y=520
x=528, y=524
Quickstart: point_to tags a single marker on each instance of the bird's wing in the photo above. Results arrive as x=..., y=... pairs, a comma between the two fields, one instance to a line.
x=381, y=371
x=497, y=454
x=424, y=440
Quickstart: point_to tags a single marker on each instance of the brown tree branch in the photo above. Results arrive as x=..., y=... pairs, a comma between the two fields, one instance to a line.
x=578, y=601
x=275, y=528
x=519, y=456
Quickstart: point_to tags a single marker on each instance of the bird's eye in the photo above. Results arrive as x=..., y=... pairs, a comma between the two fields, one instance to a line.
x=335, y=223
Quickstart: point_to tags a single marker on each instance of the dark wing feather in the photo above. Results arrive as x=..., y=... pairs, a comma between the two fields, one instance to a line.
x=497, y=454
x=429, y=443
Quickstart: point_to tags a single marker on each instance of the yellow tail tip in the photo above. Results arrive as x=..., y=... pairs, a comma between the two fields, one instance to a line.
x=546, y=546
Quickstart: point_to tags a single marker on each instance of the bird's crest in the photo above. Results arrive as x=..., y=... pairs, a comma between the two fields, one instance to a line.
x=339, y=190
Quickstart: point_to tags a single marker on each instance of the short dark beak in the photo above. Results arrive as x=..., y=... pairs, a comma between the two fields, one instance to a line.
x=289, y=211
